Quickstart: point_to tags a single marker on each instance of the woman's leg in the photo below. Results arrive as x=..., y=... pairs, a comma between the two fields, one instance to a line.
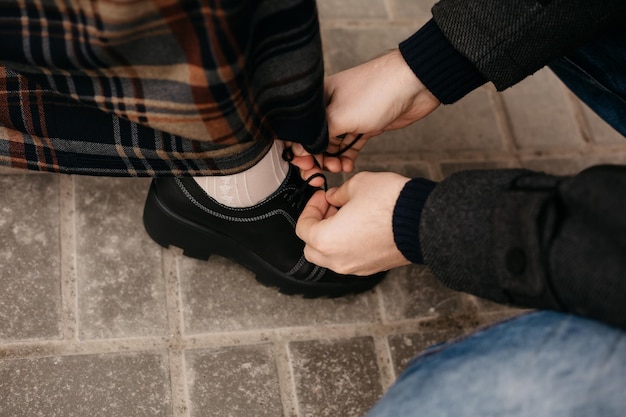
x=157, y=88
x=177, y=90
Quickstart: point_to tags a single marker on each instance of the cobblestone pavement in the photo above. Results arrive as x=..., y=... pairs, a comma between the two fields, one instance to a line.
x=97, y=320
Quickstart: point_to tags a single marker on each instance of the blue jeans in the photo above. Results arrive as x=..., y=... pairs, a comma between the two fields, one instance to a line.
x=539, y=364
x=596, y=73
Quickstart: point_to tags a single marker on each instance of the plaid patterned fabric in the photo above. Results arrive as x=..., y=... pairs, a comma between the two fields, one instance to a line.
x=157, y=87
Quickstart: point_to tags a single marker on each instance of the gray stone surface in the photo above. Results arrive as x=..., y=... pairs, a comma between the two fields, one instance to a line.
x=352, y=9
x=412, y=9
x=30, y=257
x=220, y=295
x=413, y=291
x=97, y=320
x=405, y=347
x=233, y=382
x=601, y=132
x=120, y=279
x=336, y=378
x=469, y=124
x=347, y=47
x=410, y=169
x=540, y=113
x=134, y=384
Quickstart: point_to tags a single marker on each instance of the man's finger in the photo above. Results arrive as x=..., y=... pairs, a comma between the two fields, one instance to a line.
x=314, y=212
x=339, y=196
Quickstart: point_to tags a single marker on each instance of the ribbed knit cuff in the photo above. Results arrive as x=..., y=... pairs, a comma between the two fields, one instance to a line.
x=441, y=68
x=406, y=217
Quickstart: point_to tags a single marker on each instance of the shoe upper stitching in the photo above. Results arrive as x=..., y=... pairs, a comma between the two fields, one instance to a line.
x=231, y=218
x=320, y=274
x=312, y=274
x=297, y=266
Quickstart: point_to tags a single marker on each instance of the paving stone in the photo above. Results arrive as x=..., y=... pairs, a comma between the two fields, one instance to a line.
x=405, y=347
x=220, y=295
x=410, y=169
x=540, y=113
x=487, y=306
x=351, y=9
x=469, y=124
x=30, y=257
x=346, y=48
x=336, y=378
x=121, y=290
x=233, y=382
x=134, y=384
x=413, y=292
x=449, y=168
x=407, y=9
x=602, y=132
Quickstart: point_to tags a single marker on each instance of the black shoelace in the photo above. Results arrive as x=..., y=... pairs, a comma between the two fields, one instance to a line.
x=288, y=152
x=299, y=197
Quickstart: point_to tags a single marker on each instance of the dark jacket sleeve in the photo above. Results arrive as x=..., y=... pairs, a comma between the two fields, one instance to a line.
x=532, y=240
x=504, y=40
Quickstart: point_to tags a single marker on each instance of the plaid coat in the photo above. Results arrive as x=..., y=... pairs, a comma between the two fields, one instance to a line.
x=157, y=87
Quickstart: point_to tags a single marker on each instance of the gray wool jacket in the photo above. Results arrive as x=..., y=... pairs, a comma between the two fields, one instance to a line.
x=516, y=236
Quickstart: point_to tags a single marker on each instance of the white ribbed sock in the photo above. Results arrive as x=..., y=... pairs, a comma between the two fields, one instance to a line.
x=249, y=187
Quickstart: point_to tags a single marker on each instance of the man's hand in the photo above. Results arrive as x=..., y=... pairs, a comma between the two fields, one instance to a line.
x=376, y=96
x=340, y=163
x=349, y=229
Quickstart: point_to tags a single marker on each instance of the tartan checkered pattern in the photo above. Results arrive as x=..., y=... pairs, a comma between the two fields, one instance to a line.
x=157, y=87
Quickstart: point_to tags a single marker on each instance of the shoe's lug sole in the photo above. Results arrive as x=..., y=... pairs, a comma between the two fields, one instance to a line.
x=169, y=229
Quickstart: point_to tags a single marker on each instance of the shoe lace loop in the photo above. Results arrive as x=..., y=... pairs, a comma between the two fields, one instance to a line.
x=299, y=197
x=289, y=156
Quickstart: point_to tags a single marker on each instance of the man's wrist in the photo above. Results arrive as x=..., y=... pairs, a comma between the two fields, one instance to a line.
x=407, y=216
x=446, y=73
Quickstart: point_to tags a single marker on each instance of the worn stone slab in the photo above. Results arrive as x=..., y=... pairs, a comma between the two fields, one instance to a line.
x=469, y=124
x=220, y=295
x=413, y=292
x=30, y=257
x=336, y=378
x=346, y=47
x=540, y=113
x=405, y=347
x=412, y=9
x=131, y=384
x=233, y=382
x=601, y=132
x=487, y=306
x=121, y=289
x=410, y=169
x=351, y=9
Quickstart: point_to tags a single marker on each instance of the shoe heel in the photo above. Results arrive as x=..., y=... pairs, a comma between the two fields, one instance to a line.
x=166, y=229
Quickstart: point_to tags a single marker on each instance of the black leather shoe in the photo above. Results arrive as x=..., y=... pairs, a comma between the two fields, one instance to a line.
x=262, y=237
